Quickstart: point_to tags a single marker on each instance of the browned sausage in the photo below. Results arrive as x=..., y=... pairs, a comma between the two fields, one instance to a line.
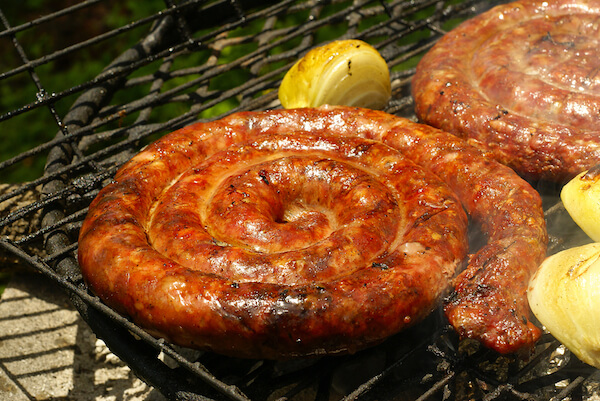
x=296, y=232
x=522, y=81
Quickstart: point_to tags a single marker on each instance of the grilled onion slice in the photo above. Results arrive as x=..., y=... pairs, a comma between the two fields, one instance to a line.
x=581, y=198
x=564, y=294
x=343, y=72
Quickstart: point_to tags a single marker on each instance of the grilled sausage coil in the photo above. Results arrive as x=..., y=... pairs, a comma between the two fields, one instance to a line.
x=522, y=81
x=301, y=232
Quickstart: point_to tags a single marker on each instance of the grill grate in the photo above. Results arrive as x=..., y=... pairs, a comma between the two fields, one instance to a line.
x=193, y=60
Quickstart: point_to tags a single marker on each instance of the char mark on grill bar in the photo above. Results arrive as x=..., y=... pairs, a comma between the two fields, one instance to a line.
x=153, y=70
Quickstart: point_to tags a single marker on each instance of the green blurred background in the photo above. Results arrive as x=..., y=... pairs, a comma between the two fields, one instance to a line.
x=34, y=127
x=24, y=131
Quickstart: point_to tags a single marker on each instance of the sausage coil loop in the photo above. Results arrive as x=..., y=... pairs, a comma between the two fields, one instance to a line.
x=521, y=81
x=311, y=231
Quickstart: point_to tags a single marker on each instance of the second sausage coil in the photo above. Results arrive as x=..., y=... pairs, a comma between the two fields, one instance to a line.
x=521, y=81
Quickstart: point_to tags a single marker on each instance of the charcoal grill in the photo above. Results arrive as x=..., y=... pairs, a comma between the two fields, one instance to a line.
x=200, y=60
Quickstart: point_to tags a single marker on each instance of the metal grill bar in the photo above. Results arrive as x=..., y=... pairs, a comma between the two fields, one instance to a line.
x=28, y=65
x=49, y=17
x=104, y=311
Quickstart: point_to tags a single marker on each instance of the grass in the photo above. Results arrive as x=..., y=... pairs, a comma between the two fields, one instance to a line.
x=27, y=130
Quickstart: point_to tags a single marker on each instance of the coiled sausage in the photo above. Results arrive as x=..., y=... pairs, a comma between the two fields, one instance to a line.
x=522, y=81
x=299, y=232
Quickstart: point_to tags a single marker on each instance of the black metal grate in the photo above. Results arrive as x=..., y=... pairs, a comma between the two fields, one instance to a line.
x=191, y=60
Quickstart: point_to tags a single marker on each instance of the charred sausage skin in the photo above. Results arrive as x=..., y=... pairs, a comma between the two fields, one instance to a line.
x=521, y=81
x=149, y=255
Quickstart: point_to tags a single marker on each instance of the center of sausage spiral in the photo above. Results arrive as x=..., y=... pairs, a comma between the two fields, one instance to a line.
x=277, y=210
x=551, y=62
